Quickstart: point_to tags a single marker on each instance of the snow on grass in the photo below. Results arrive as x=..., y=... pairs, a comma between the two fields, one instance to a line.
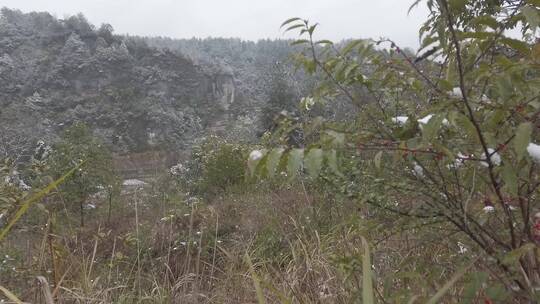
x=418, y=171
x=456, y=93
x=489, y=209
x=459, y=161
x=89, y=206
x=462, y=248
x=427, y=118
x=255, y=155
x=23, y=186
x=133, y=182
x=534, y=152
x=495, y=158
x=400, y=120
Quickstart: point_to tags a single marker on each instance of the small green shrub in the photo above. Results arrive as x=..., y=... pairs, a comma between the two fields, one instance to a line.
x=216, y=166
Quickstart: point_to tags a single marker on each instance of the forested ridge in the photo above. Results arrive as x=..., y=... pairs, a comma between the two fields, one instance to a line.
x=136, y=93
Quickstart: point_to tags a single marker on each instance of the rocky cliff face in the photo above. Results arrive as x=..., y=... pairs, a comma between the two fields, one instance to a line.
x=136, y=97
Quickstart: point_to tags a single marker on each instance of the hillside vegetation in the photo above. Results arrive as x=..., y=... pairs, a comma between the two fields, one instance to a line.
x=135, y=94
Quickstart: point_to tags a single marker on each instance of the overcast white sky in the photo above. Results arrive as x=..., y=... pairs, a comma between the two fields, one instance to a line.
x=247, y=19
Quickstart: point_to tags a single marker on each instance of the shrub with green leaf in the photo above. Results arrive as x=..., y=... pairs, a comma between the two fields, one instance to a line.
x=215, y=166
x=96, y=174
x=446, y=136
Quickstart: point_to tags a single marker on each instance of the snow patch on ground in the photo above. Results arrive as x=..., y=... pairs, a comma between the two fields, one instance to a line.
x=133, y=182
x=426, y=119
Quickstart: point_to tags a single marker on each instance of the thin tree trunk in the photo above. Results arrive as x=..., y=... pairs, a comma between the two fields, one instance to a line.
x=82, y=213
x=110, y=208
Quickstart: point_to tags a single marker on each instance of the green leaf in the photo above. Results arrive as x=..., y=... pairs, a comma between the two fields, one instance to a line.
x=300, y=41
x=510, y=179
x=10, y=295
x=272, y=162
x=443, y=149
x=313, y=162
x=487, y=20
x=253, y=163
x=377, y=159
x=462, y=122
x=518, y=45
x=475, y=35
x=350, y=46
x=446, y=287
x=477, y=279
x=294, y=162
x=522, y=139
x=256, y=281
x=324, y=42
x=34, y=198
x=458, y=5
x=339, y=69
x=292, y=27
x=367, y=276
x=413, y=6
x=428, y=41
x=350, y=69
x=505, y=87
x=495, y=118
x=531, y=15
x=332, y=162
x=430, y=130
x=312, y=28
x=289, y=21
x=337, y=138
x=497, y=293
x=513, y=256
x=310, y=66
